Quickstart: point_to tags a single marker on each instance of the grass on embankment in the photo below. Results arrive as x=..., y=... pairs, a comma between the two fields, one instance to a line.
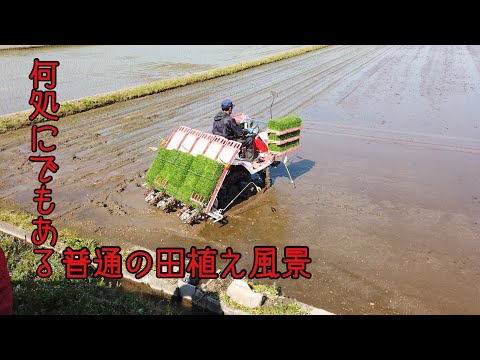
x=20, y=119
x=68, y=237
x=57, y=295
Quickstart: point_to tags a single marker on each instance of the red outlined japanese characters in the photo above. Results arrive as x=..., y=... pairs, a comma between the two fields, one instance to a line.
x=45, y=104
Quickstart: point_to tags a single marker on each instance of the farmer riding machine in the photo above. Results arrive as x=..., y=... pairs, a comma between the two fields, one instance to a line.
x=200, y=175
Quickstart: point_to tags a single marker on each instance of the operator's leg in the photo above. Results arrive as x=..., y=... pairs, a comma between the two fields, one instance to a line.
x=248, y=144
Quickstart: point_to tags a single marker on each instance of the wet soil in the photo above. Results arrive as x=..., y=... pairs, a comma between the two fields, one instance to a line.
x=87, y=70
x=386, y=190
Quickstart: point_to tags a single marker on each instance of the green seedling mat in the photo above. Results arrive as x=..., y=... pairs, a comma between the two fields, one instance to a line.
x=274, y=137
x=282, y=148
x=284, y=123
x=181, y=174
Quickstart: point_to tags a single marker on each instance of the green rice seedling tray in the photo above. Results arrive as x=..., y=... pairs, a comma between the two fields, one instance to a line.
x=284, y=123
x=283, y=132
x=184, y=176
x=283, y=149
x=283, y=139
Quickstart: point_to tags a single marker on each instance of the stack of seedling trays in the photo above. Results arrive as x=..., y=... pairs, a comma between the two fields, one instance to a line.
x=189, y=179
x=284, y=134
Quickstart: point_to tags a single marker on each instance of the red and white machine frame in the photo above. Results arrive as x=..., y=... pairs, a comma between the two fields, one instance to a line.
x=215, y=147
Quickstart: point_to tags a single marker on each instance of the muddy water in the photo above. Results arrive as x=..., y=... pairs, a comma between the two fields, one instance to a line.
x=389, y=196
x=94, y=69
x=386, y=184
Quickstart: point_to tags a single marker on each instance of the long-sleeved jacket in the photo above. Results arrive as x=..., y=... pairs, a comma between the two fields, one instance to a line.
x=226, y=126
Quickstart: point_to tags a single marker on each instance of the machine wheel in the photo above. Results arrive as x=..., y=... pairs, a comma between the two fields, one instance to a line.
x=215, y=203
x=232, y=185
